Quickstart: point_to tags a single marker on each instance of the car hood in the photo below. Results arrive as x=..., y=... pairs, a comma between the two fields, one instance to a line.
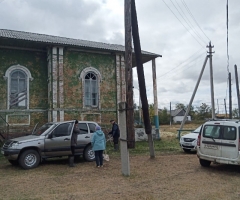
x=25, y=138
x=191, y=135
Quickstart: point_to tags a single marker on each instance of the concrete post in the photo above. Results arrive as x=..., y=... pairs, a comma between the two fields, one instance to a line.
x=156, y=120
x=123, y=139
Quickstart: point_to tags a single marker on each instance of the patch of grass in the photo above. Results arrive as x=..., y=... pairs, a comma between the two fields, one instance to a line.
x=167, y=144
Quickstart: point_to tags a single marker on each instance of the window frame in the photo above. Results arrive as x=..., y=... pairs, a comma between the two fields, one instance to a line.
x=7, y=77
x=98, y=81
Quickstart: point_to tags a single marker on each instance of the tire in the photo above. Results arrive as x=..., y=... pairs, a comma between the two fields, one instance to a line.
x=29, y=159
x=187, y=150
x=13, y=162
x=88, y=154
x=204, y=163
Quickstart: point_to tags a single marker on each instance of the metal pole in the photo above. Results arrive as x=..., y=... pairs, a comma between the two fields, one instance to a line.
x=156, y=119
x=237, y=86
x=193, y=95
x=211, y=79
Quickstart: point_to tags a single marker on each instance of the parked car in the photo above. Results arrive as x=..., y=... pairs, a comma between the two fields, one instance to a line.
x=219, y=142
x=188, y=142
x=51, y=140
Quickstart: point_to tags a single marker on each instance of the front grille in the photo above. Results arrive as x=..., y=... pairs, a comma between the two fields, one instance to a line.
x=188, y=139
x=188, y=147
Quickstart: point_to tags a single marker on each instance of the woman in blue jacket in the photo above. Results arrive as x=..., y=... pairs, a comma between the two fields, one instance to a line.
x=98, y=145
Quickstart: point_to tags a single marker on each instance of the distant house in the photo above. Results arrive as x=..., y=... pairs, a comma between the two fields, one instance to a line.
x=177, y=115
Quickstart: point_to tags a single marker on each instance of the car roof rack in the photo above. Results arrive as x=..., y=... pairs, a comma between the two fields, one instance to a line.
x=228, y=120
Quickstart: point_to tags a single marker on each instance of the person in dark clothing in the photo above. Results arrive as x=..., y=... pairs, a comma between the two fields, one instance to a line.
x=75, y=133
x=115, y=133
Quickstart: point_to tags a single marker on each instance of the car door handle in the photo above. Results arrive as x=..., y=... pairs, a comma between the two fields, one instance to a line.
x=66, y=139
x=87, y=137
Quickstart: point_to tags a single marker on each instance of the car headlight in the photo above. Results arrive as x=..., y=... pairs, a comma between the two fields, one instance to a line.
x=181, y=139
x=14, y=144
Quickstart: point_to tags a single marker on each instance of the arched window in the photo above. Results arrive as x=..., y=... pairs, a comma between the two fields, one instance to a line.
x=18, y=87
x=91, y=78
x=91, y=90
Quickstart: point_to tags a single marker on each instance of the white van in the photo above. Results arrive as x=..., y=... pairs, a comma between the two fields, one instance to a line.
x=218, y=142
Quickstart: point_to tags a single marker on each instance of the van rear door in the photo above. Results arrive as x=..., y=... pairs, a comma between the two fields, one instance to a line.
x=211, y=140
x=229, y=142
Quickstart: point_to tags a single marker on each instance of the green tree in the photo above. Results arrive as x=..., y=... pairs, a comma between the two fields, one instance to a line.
x=164, y=116
x=151, y=113
x=204, y=111
x=235, y=113
x=180, y=106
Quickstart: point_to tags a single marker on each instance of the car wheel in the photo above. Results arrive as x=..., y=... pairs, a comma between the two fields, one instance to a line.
x=29, y=159
x=13, y=162
x=187, y=150
x=204, y=163
x=88, y=154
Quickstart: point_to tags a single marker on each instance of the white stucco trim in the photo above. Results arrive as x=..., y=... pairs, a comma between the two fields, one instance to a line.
x=14, y=67
x=7, y=75
x=90, y=69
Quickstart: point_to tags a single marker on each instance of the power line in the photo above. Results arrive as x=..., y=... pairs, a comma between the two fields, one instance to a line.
x=184, y=3
x=187, y=22
x=190, y=22
x=183, y=63
x=182, y=23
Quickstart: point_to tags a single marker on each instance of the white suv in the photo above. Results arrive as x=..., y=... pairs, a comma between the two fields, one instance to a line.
x=218, y=142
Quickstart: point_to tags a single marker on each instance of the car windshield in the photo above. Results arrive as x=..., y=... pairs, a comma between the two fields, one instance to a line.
x=42, y=129
x=197, y=130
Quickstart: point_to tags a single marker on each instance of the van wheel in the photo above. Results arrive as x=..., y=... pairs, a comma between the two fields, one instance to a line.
x=89, y=154
x=187, y=150
x=29, y=159
x=204, y=163
x=13, y=162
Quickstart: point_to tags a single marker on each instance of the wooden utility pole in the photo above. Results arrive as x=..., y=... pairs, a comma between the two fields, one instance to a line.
x=170, y=115
x=237, y=87
x=230, y=95
x=141, y=78
x=129, y=80
x=211, y=79
x=225, y=108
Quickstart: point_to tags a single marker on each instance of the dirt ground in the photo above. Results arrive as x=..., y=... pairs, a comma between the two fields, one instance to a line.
x=168, y=176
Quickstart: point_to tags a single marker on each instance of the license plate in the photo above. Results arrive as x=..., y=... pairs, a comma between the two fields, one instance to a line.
x=210, y=146
x=187, y=144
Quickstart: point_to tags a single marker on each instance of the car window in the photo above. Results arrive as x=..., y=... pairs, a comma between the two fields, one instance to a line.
x=83, y=128
x=62, y=130
x=197, y=130
x=42, y=129
x=211, y=131
x=92, y=127
x=229, y=133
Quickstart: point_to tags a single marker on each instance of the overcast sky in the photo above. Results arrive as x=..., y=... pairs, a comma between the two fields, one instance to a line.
x=179, y=30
